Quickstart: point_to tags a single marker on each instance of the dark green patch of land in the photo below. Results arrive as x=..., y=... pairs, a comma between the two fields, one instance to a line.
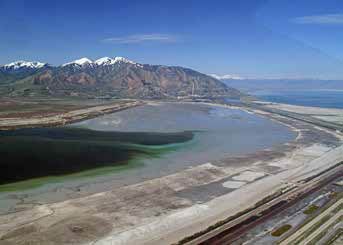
x=310, y=209
x=281, y=230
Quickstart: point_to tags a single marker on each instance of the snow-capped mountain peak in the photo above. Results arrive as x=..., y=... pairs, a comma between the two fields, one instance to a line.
x=124, y=60
x=100, y=62
x=24, y=64
x=105, y=61
x=80, y=62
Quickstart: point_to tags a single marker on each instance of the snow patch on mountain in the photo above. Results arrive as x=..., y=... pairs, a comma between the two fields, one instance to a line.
x=227, y=76
x=80, y=62
x=124, y=60
x=24, y=64
x=105, y=61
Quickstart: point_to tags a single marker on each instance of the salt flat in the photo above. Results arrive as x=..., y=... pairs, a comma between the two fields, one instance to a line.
x=248, y=176
x=326, y=114
x=233, y=184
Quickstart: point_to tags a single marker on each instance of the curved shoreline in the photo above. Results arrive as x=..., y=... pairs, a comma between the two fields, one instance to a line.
x=171, y=209
x=79, y=187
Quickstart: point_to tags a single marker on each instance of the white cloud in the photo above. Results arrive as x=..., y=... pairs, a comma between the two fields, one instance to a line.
x=227, y=76
x=140, y=38
x=327, y=19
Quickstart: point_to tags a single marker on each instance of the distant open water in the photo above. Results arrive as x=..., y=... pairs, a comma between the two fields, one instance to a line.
x=317, y=98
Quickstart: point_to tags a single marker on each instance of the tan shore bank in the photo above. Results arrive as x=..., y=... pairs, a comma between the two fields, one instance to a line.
x=49, y=119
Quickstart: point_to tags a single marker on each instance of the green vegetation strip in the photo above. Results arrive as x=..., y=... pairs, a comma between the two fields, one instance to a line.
x=313, y=228
x=311, y=209
x=281, y=230
x=319, y=223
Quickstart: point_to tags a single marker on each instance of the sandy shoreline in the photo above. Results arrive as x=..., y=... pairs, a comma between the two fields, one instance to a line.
x=8, y=123
x=166, y=209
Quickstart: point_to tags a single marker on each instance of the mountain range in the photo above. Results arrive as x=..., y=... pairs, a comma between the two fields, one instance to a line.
x=108, y=77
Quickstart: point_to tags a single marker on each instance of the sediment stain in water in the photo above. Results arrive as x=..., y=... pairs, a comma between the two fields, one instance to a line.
x=34, y=153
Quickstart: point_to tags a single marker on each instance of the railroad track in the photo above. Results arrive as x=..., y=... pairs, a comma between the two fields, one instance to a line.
x=231, y=231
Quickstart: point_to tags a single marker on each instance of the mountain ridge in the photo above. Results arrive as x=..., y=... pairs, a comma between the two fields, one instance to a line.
x=113, y=77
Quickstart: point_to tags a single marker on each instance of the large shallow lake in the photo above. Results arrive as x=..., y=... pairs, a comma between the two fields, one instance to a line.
x=218, y=131
x=133, y=145
x=126, y=147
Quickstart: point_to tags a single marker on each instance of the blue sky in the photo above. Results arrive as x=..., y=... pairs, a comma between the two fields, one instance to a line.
x=250, y=38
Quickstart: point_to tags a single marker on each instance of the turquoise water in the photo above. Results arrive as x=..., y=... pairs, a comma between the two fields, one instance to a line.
x=317, y=98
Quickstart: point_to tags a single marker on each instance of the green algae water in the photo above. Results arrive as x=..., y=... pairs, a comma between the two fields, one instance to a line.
x=38, y=153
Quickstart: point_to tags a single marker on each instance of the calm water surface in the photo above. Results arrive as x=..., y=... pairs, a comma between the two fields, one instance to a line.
x=317, y=98
x=218, y=132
